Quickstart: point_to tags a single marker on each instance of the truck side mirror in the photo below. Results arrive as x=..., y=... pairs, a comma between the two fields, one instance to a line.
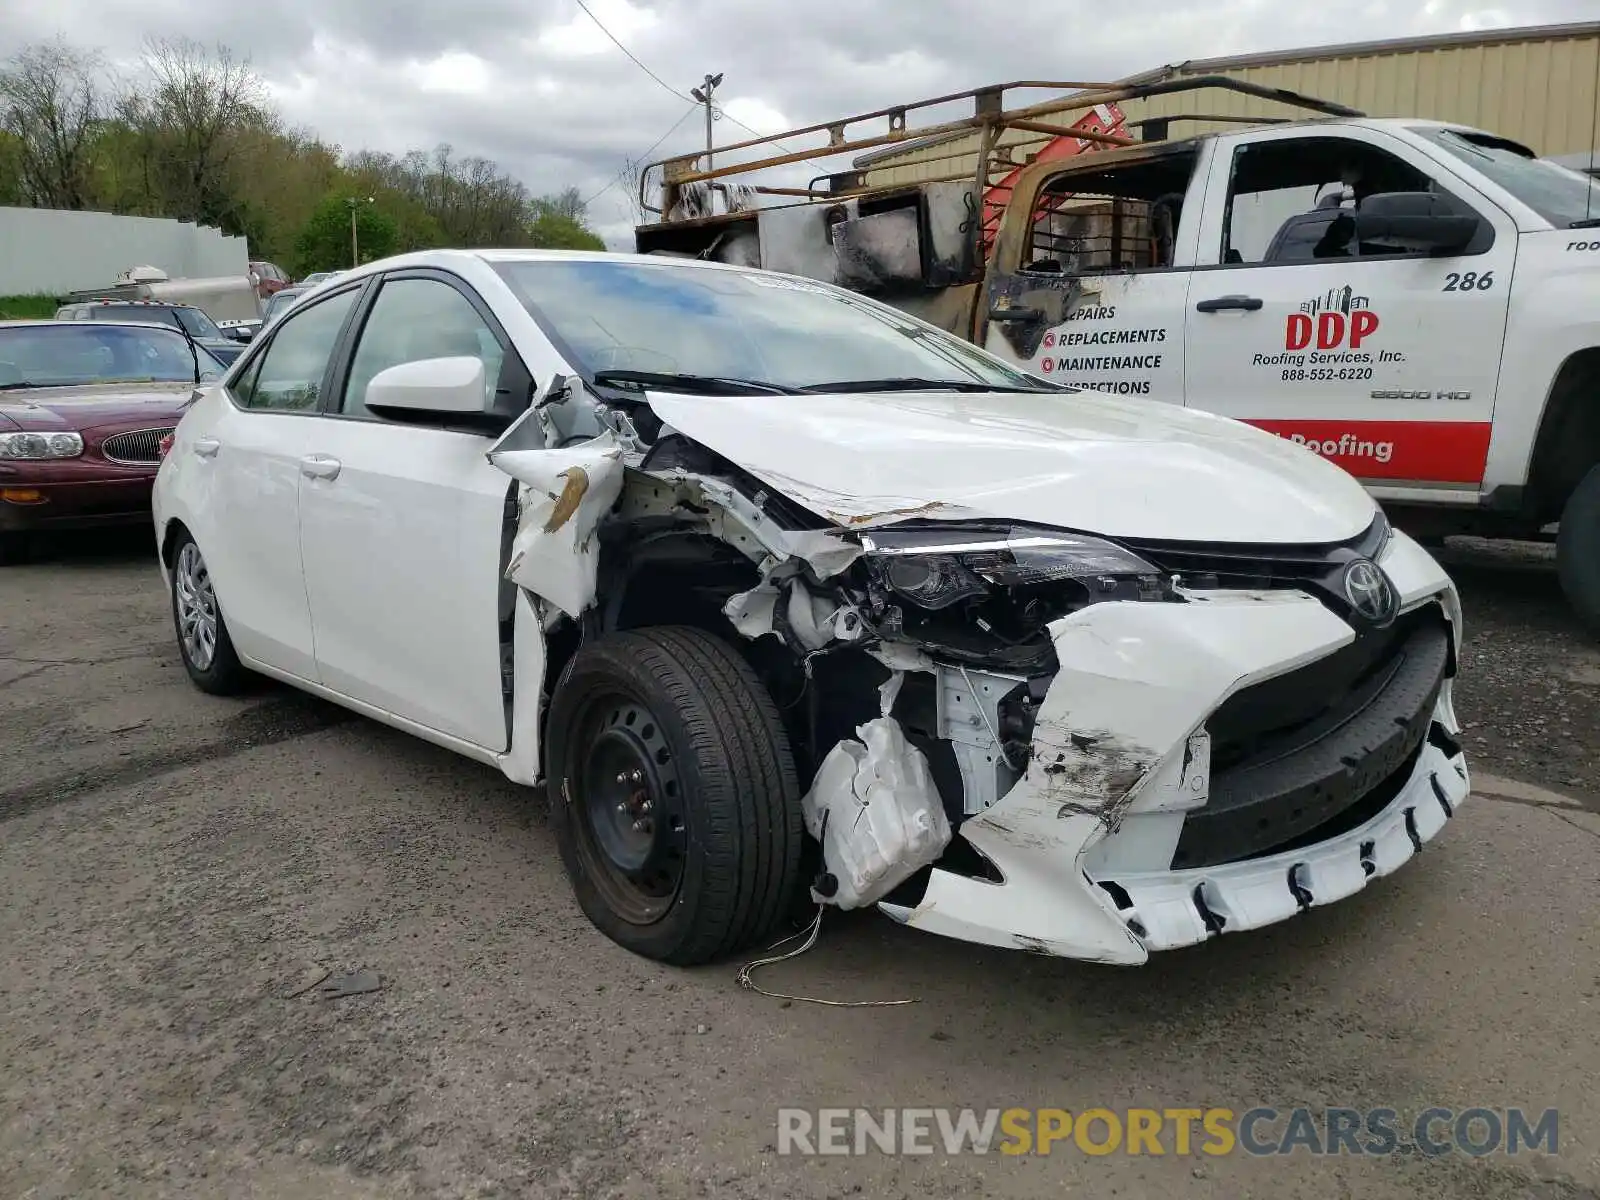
x=1413, y=221
x=1005, y=315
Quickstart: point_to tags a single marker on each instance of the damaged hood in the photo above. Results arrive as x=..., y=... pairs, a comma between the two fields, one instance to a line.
x=1086, y=461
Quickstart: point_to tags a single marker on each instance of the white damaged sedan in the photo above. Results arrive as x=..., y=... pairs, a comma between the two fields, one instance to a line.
x=782, y=592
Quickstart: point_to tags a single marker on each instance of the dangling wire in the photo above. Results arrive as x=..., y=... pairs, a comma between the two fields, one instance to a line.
x=810, y=933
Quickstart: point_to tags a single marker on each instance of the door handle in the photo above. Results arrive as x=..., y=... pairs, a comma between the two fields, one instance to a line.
x=319, y=466
x=1225, y=303
x=206, y=447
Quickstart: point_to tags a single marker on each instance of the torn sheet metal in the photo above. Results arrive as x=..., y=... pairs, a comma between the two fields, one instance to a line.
x=789, y=609
x=1136, y=682
x=823, y=550
x=877, y=813
x=567, y=491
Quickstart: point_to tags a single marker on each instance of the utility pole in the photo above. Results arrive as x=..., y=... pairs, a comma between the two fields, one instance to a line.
x=703, y=94
x=355, y=253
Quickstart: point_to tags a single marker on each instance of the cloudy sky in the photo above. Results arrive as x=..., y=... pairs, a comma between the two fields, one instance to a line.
x=537, y=86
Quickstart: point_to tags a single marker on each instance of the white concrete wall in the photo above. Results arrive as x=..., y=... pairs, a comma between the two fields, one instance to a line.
x=46, y=250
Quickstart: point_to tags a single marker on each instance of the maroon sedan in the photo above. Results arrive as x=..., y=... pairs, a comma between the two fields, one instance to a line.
x=83, y=410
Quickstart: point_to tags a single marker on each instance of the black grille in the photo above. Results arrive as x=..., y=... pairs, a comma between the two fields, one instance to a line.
x=138, y=447
x=1316, y=568
x=1298, y=753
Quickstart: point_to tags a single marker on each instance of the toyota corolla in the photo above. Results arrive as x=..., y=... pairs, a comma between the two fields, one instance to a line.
x=784, y=594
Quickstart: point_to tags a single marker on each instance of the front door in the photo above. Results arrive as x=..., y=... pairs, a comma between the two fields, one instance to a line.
x=404, y=528
x=1387, y=363
x=1103, y=274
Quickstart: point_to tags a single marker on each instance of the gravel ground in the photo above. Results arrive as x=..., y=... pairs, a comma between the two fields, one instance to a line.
x=179, y=871
x=1530, y=691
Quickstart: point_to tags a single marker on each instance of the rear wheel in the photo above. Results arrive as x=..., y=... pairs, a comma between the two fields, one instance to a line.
x=203, y=640
x=674, y=794
x=1578, y=549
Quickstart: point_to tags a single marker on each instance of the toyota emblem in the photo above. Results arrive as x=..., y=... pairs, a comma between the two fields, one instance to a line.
x=1369, y=592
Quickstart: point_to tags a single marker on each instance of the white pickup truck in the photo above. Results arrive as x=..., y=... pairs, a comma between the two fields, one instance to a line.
x=1417, y=301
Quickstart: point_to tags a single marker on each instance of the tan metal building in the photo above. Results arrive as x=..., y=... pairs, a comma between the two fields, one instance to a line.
x=1536, y=84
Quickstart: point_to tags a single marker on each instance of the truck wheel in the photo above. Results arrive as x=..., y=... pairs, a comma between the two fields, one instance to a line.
x=1578, y=549
x=673, y=793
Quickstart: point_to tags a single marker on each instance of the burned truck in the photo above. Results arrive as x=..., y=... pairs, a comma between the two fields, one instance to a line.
x=1407, y=298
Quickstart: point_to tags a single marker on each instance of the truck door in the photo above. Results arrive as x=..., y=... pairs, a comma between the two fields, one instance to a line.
x=1316, y=317
x=1099, y=276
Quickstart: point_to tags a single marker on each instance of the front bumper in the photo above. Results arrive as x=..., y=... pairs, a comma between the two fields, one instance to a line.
x=1084, y=840
x=83, y=499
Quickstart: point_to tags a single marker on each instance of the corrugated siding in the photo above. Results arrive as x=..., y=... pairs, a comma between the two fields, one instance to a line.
x=1541, y=93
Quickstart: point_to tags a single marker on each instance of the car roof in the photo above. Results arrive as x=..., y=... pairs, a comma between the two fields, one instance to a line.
x=452, y=259
x=128, y=302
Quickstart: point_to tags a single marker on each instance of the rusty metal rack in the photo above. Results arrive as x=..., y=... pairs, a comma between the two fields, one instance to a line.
x=990, y=118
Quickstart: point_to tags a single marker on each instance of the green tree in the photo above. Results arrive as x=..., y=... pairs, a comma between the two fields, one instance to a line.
x=324, y=241
x=556, y=223
x=192, y=133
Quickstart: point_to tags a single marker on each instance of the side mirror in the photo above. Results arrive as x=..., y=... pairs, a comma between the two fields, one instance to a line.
x=430, y=387
x=1006, y=315
x=239, y=333
x=1413, y=221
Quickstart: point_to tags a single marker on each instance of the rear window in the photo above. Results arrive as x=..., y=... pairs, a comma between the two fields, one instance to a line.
x=145, y=314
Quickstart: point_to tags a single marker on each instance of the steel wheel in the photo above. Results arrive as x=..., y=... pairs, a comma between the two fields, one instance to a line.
x=631, y=825
x=674, y=797
x=197, y=607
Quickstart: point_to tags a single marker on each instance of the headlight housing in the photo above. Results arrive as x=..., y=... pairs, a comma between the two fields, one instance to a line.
x=935, y=569
x=40, y=445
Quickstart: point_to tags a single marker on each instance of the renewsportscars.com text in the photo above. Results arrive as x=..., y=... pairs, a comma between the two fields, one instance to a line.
x=1212, y=1131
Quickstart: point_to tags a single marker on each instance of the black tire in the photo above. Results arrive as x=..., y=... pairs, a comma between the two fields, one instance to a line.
x=223, y=674
x=720, y=794
x=1578, y=549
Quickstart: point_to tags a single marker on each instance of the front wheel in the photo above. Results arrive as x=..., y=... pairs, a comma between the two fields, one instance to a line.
x=203, y=640
x=1578, y=549
x=674, y=794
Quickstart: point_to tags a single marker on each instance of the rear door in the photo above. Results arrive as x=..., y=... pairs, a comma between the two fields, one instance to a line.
x=247, y=512
x=1102, y=275
x=1386, y=363
x=404, y=528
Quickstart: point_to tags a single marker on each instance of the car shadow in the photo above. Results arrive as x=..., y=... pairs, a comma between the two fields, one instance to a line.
x=112, y=546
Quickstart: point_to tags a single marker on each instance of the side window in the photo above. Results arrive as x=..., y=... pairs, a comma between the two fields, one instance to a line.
x=244, y=387
x=1125, y=219
x=289, y=373
x=415, y=319
x=1291, y=199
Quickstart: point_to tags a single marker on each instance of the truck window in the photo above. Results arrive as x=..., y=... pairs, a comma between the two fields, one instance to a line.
x=1563, y=197
x=1125, y=218
x=1284, y=196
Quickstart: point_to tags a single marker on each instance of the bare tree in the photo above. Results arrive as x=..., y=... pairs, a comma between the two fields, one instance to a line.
x=53, y=99
x=631, y=178
x=565, y=203
x=194, y=102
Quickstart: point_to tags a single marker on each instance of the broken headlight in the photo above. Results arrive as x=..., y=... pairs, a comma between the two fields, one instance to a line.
x=934, y=571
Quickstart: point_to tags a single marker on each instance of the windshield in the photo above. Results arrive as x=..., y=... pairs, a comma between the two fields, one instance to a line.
x=197, y=323
x=192, y=319
x=75, y=354
x=739, y=326
x=280, y=301
x=1561, y=196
